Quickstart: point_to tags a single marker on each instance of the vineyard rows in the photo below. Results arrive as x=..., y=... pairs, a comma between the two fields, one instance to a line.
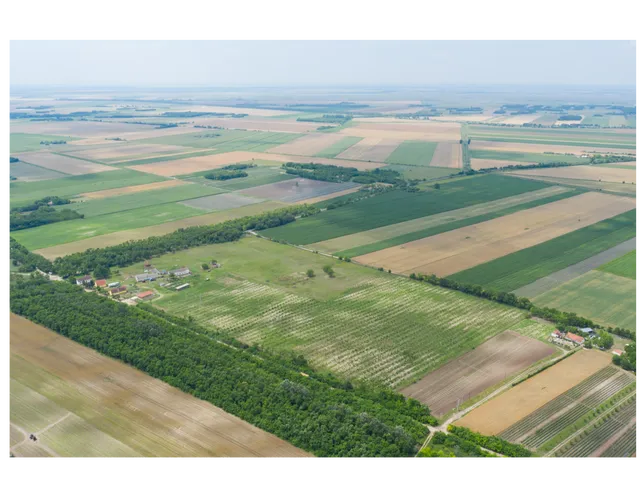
x=589, y=440
x=386, y=330
x=577, y=411
x=625, y=446
x=533, y=420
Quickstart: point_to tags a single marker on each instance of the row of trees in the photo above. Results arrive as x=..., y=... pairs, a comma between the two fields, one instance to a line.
x=322, y=417
x=132, y=252
x=443, y=445
x=495, y=444
x=334, y=173
x=43, y=202
x=27, y=261
x=41, y=216
x=221, y=174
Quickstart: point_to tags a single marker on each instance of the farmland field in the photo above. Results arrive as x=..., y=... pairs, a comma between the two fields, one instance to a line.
x=559, y=277
x=338, y=147
x=624, y=266
x=120, y=203
x=63, y=164
x=224, y=201
x=371, y=149
x=307, y=145
x=26, y=142
x=602, y=297
x=399, y=206
x=521, y=268
x=296, y=190
x=413, y=153
x=595, y=438
x=25, y=172
x=81, y=404
x=525, y=157
x=397, y=234
x=475, y=371
x=506, y=409
x=551, y=424
x=22, y=192
x=125, y=151
x=585, y=172
x=448, y=155
x=119, y=237
x=461, y=249
x=533, y=146
x=114, y=192
x=84, y=228
x=359, y=324
x=226, y=140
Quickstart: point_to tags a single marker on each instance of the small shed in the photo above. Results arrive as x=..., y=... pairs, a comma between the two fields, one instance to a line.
x=181, y=272
x=145, y=295
x=617, y=352
x=101, y=283
x=113, y=284
x=182, y=287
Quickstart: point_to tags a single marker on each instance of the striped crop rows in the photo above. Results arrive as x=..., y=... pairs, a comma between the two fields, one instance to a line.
x=519, y=429
x=386, y=330
x=625, y=446
x=596, y=435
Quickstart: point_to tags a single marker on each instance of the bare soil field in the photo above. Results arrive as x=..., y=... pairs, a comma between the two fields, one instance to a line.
x=25, y=172
x=297, y=189
x=329, y=196
x=114, y=192
x=565, y=275
x=224, y=201
x=198, y=164
x=585, y=172
x=412, y=130
x=457, y=250
x=308, y=145
x=477, y=370
x=262, y=124
x=372, y=148
x=115, y=410
x=501, y=412
x=117, y=238
x=80, y=129
x=545, y=148
x=374, y=235
x=63, y=164
x=447, y=154
x=517, y=119
x=129, y=151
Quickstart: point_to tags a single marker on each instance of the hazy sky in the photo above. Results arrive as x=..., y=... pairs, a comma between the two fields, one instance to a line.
x=224, y=63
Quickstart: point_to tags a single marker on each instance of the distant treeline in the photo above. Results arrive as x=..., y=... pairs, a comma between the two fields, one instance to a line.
x=569, y=117
x=13, y=159
x=53, y=142
x=46, y=201
x=335, y=118
x=278, y=393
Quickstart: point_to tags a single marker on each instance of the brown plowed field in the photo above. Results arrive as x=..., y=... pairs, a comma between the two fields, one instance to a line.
x=506, y=409
x=374, y=149
x=134, y=189
x=457, y=250
x=123, y=409
x=544, y=148
x=585, y=172
x=477, y=370
x=447, y=154
x=307, y=145
x=63, y=164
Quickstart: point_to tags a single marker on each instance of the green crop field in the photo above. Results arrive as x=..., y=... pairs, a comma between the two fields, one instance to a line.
x=624, y=266
x=399, y=206
x=338, y=147
x=523, y=267
x=360, y=324
x=526, y=157
x=412, y=152
x=226, y=140
x=549, y=135
x=166, y=158
x=81, y=229
x=257, y=177
x=25, y=192
x=599, y=296
x=27, y=142
x=452, y=225
x=553, y=141
x=120, y=203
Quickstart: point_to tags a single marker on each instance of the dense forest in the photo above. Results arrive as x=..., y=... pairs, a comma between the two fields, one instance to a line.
x=132, y=252
x=333, y=173
x=492, y=443
x=27, y=261
x=305, y=410
x=221, y=174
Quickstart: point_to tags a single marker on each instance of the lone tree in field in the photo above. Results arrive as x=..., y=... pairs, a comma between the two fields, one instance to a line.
x=205, y=266
x=311, y=273
x=329, y=271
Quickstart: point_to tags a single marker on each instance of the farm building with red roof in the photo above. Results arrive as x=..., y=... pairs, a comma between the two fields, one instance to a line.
x=574, y=338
